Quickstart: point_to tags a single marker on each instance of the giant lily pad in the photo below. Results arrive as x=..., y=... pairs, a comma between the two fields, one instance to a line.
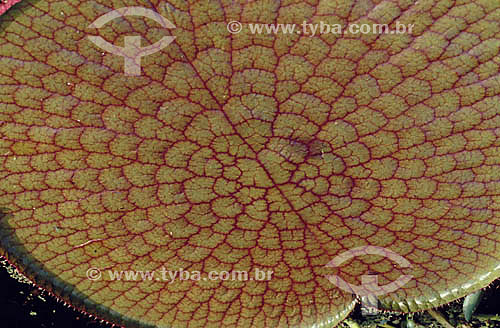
x=251, y=151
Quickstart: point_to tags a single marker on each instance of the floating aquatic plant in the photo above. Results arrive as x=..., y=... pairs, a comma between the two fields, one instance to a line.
x=245, y=151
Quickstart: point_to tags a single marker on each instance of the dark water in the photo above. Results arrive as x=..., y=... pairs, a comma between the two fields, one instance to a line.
x=21, y=307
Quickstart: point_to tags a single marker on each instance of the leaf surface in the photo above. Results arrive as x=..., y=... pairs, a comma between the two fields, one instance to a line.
x=247, y=151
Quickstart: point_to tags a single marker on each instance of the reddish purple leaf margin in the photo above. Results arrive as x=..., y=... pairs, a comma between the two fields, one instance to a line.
x=6, y=4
